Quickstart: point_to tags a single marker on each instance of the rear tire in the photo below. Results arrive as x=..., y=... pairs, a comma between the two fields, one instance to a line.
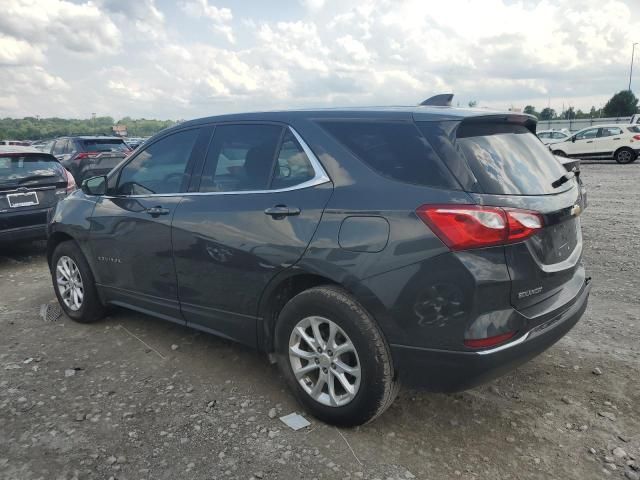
x=359, y=347
x=559, y=153
x=625, y=155
x=74, y=284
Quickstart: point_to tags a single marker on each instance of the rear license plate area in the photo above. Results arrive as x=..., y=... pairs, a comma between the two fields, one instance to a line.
x=22, y=199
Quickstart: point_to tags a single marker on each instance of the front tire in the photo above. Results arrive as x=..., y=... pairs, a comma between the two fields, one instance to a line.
x=74, y=284
x=625, y=155
x=334, y=357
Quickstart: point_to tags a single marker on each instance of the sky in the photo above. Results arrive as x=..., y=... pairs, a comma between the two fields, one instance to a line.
x=181, y=59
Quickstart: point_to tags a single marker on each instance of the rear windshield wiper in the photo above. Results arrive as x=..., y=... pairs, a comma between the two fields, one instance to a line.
x=563, y=179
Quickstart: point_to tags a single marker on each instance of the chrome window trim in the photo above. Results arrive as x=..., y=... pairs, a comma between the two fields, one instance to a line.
x=319, y=178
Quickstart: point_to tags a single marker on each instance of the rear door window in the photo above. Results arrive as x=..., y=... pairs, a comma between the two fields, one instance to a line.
x=241, y=158
x=395, y=150
x=502, y=159
x=105, y=145
x=610, y=131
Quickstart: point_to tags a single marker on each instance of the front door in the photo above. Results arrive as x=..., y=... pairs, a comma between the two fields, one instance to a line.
x=131, y=227
x=583, y=145
x=260, y=198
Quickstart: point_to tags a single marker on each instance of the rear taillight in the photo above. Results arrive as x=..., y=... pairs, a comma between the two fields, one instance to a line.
x=82, y=155
x=489, y=341
x=636, y=138
x=462, y=227
x=71, y=183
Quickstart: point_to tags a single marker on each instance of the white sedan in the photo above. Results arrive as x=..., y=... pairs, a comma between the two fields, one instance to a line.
x=552, y=136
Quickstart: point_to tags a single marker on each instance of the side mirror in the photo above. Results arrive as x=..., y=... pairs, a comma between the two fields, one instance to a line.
x=573, y=139
x=95, y=185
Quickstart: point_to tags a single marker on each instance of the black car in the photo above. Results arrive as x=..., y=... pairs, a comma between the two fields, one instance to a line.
x=435, y=246
x=31, y=184
x=86, y=156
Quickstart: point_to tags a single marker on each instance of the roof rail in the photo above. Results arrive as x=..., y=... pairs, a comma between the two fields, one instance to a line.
x=442, y=100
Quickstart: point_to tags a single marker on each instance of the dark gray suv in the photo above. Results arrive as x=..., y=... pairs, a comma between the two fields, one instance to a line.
x=439, y=247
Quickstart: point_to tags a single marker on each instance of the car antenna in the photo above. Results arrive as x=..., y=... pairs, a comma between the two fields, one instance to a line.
x=441, y=100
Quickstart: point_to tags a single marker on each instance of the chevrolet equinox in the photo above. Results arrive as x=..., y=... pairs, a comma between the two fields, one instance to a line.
x=434, y=246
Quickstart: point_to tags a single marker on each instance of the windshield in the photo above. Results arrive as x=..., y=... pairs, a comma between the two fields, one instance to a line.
x=508, y=159
x=14, y=169
x=105, y=145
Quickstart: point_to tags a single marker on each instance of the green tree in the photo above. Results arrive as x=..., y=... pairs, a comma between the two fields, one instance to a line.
x=547, y=114
x=473, y=104
x=531, y=110
x=622, y=104
x=569, y=114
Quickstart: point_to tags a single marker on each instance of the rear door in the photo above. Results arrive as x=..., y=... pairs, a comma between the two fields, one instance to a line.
x=30, y=185
x=252, y=214
x=508, y=167
x=583, y=146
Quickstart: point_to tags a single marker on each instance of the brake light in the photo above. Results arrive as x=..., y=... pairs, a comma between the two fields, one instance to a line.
x=489, y=341
x=82, y=155
x=71, y=182
x=635, y=137
x=462, y=227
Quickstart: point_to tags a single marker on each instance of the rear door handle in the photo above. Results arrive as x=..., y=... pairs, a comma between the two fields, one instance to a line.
x=617, y=138
x=281, y=211
x=156, y=211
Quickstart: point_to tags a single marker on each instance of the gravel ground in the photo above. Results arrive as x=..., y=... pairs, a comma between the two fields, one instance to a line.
x=137, y=398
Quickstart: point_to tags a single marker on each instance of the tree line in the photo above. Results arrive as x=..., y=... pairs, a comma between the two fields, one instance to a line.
x=622, y=104
x=34, y=128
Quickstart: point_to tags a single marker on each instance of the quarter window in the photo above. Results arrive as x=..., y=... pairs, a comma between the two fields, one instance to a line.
x=395, y=150
x=159, y=168
x=610, y=131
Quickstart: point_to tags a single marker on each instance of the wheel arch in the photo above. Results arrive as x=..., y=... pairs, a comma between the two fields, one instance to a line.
x=625, y=147
x=283, y=288
x=53, y=241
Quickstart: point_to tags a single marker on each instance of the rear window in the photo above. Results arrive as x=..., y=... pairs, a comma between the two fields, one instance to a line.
x=105, y=145
x=395, y=150
x=634, y=129
x=503, y=159
x=28, y=168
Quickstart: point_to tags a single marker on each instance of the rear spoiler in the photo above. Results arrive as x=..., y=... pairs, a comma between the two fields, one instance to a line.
x=528, y=121
x=442, y=100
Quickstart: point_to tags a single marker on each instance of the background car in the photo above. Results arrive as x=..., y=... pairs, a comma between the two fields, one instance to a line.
x=44, y=145
x=86, y=156
x=552, y=136
x=31, y=184
x=17, y=143
x=618, y=141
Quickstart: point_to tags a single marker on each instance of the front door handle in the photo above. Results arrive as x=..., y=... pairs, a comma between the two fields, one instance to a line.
x=617, y=138
x=156, y=211
x=281, y=211
x=590, y=141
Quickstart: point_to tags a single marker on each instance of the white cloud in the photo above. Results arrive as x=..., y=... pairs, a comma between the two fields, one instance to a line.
x=62, y=24
x=220, y=17
x=142, y=58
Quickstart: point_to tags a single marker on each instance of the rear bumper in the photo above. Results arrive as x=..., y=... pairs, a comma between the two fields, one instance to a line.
x=32, y=232
x=446, y=370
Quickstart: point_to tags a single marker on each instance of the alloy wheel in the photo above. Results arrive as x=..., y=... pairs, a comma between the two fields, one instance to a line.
x=324, y=361
x=69, y=283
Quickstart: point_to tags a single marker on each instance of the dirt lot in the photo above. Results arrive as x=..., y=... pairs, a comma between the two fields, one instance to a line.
x=136, y=398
